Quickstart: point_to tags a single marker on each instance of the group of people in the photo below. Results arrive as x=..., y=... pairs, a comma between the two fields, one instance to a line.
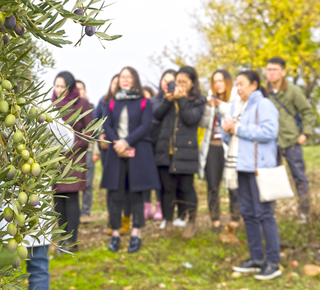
x=158, y=142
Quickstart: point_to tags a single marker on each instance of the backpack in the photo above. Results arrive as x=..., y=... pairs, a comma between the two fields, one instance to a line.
x=142, y=105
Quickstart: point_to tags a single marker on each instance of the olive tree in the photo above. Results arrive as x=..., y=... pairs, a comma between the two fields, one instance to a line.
x=32, y=157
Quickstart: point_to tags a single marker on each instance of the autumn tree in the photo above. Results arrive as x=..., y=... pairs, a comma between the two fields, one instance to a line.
x=241, y=34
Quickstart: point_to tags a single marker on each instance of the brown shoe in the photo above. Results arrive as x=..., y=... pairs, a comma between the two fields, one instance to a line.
x=125, y=229
x=189, y=231
x=84, y=219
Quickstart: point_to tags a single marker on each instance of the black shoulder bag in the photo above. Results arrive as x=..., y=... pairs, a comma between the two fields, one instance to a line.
x=296, y=117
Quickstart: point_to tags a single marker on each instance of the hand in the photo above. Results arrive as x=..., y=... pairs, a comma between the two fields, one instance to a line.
x=169, y=96
x=103, y=145
x=180, y=92
x=302, y=138
x=95, y=157
x=125, y=154
x=214, y=102
x=229, y=126
x=233, y=126
x=217, y=102
x=119, y=146
x=226, y=125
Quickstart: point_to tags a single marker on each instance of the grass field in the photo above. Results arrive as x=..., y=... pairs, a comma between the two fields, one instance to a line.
x=204, y=262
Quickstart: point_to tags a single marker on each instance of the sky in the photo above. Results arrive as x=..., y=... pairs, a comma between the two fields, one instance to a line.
x=147, y=27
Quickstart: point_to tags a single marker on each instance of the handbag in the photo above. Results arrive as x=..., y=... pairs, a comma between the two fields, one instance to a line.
x=273, y=183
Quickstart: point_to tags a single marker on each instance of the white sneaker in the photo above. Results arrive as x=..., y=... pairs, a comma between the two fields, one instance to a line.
x=163, y=225
x=179, y=223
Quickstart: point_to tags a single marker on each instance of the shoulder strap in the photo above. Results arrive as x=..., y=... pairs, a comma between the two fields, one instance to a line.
x=143, y=103
x=111, y=105
x=256, y=148
x=282, y=105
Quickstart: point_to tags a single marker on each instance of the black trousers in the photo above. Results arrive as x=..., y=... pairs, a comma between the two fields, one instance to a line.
x=117, y=200
x=69, y=212
x=214, y=171
x=172, y=183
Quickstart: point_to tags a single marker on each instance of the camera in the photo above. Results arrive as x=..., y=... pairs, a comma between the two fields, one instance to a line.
x=171, y=87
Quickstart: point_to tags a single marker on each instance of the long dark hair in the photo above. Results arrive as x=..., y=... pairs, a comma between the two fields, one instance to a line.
x=253, y=76
x=149, y=89
x=227, y=81
x=137, y=88
x=168, y=71
x=194, y=93
x=68, y=78
x=109, y=94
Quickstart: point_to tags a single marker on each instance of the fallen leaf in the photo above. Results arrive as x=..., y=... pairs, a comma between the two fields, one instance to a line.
x=127, y=288
x=229, y=239
x=294, y=264
x=230, y=230
x=311, y=270
x=281, y=267
x=236, y=275
x=293, y=276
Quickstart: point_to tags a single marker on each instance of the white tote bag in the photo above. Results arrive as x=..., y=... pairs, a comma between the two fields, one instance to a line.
x=273, y=183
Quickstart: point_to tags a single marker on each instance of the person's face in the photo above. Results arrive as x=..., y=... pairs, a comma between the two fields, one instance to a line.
x=126, y=80
x=182, y=80
x=60, y=86
x=167, y=78
x=219, y=84
x=275, y=72
x=82, y=90
x=244, y=87
x=147, y=94
x=113, y=85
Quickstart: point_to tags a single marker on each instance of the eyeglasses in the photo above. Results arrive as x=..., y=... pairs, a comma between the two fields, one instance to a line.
x=273, y=69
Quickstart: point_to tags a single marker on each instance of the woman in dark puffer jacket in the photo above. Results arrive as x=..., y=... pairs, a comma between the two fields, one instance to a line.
x=177, y=146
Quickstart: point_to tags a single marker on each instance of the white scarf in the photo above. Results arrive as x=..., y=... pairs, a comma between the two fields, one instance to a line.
x=230, y=174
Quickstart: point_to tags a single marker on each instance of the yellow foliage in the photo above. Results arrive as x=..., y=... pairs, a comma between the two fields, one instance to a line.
x=246, y=33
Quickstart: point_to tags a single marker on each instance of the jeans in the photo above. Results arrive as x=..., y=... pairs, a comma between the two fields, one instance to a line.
x=214, y=171
x=38, y=267
x=258, y=215
x=87, y=193
x=294, y=157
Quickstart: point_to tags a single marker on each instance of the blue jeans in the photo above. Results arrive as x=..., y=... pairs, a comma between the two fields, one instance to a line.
x=257, y=215
x=294, y=157
x=38, y=267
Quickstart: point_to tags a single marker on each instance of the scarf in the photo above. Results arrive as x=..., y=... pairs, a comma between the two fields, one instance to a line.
x=124, y=94
x=230, y=174
x=68, y=98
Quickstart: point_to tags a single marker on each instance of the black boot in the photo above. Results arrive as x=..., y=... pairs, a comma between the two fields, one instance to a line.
x=134, y=245
x=114, y=244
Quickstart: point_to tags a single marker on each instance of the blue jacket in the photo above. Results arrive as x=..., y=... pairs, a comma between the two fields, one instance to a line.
x=98, y=112
x=265, y=133
x=143, y=174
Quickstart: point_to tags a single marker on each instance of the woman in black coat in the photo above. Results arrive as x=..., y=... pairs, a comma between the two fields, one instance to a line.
x=129, y=167
x=177, y=147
